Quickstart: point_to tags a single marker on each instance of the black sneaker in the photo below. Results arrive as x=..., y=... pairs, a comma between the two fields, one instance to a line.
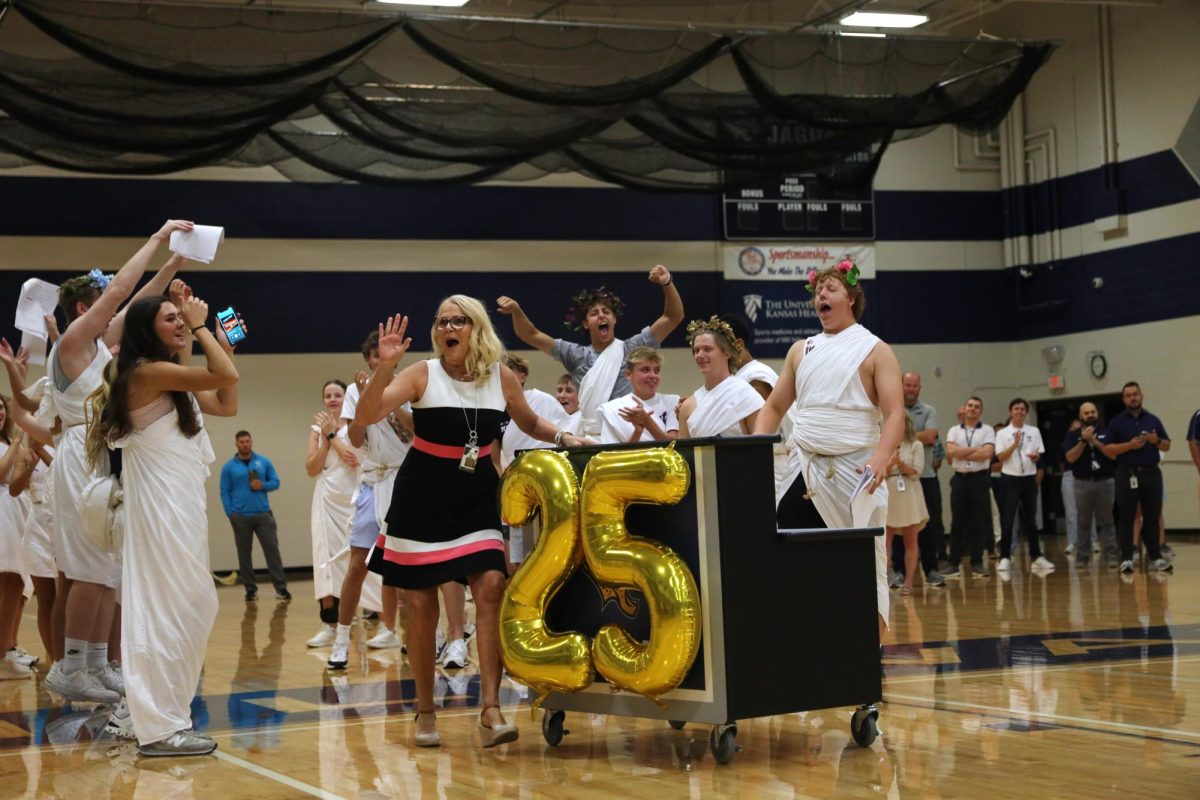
x=252, y=597
x=284, y=596
x=951, y=571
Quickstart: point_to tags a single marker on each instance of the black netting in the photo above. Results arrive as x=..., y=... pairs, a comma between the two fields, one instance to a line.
x=141, y=89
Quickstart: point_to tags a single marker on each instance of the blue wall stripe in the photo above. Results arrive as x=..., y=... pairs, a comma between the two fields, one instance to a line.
x=107, y=207
x=1140, y=184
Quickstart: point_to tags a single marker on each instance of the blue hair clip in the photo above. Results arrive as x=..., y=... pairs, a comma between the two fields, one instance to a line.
x=99, y=279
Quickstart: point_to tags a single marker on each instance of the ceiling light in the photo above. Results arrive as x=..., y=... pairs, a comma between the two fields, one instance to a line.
x=879, y=19
x=445, y=3
x=863, y=34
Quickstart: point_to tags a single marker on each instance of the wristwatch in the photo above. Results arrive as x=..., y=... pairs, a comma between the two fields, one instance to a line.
x=331, y=436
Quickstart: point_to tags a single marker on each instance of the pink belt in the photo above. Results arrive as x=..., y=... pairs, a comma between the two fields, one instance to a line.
x=445, y=450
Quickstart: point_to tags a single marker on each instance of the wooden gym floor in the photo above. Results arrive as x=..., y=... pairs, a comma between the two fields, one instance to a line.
x=1080, y=684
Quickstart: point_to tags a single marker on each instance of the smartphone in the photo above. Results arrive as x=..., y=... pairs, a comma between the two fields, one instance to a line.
x=232, y=326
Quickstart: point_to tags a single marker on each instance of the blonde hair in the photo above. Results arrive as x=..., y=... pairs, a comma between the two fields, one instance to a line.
x=910, y=430
x=723, y=337
x=517, y=363
x=483, y=347
x=639, y=354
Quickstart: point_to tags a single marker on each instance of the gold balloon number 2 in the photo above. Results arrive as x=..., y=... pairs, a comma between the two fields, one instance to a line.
x=584, y=523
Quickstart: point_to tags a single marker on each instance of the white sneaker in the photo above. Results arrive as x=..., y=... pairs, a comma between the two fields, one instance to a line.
x=468, y=630
x=324, y=637
x=1041, y=562
x=22, y=657
x=384, y=639
x=81, y=686
x=439, y=646
x=1070, y=549
x=1127, y=566
x=111, y=677
x=1162, y=565
x=120, y=724
x=340, y=656
x=456, y=655
x=11, y=669
x=1095, y=548
x=1005, y=565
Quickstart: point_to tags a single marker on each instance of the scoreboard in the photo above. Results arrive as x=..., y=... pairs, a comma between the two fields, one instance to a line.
x=798, y=207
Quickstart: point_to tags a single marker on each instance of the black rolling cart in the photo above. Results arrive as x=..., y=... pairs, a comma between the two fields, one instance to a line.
x=807, y=596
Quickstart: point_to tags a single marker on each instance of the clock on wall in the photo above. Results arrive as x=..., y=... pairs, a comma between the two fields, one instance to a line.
x=1099, y=365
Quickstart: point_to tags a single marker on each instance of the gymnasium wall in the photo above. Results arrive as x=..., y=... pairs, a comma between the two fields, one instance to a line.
x=313, y=268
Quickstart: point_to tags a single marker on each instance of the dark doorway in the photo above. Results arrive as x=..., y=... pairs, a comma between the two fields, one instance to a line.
x=1054, y=420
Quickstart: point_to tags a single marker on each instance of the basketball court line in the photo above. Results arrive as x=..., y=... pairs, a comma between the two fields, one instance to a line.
x=278, y=777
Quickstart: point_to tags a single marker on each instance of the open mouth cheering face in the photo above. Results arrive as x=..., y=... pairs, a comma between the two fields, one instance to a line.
x=600, y=323
x=452, y=328
x=831, y=301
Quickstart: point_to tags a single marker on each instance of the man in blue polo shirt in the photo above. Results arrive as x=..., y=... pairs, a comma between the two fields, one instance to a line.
x=1093, y=490
x=1135, y=438
x=245, y=480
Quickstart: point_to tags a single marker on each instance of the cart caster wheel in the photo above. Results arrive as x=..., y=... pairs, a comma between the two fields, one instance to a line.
x=864, y=725
x=722, y=741
x=677, y=724
x=552, y=727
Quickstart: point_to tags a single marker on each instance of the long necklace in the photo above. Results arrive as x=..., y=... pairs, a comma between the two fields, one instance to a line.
x=471, y=451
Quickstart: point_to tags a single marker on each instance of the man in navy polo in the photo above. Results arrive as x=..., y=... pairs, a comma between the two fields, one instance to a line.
x=1135, y=438
x=1093, y=490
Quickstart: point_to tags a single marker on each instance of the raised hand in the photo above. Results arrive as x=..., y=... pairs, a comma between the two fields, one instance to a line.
x=360, y=380
x=6, y=352
x=194, y=311
x=164, y=233
x=392, y=342
x=507, y=306
x=325, y=421
x=51, y=327
x=660, y=275
x=179, y=291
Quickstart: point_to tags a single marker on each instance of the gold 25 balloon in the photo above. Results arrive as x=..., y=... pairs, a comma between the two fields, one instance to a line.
x=542, y=660
x=594, y=522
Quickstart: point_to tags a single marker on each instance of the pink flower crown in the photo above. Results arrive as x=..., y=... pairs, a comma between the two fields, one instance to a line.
x=845, y=266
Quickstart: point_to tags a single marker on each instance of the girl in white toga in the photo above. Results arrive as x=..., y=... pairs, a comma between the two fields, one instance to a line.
x=149, y=406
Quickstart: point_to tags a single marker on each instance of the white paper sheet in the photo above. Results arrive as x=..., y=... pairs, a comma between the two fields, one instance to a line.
x=38, y=298
x=36, y=345
x=200, y=244
x=862, y=503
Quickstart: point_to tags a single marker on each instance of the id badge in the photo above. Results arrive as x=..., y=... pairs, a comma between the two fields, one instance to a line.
x=899, y=484
x=469, y=458
x=1133, y=481
x=1095, y=465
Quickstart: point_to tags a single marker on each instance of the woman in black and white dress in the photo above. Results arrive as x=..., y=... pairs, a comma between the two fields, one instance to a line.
x=444, y=523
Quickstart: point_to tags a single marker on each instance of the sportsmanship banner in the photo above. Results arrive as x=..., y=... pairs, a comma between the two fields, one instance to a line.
x=766, y=283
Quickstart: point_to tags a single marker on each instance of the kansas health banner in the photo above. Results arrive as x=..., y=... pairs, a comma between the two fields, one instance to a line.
x=766, y=283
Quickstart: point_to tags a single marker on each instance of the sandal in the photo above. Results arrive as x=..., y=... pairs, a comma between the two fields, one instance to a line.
x=905, y=591
x=427, y=739
x=501, y=733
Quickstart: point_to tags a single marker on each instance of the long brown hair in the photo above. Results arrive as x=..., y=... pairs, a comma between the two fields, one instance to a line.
x=108, y=419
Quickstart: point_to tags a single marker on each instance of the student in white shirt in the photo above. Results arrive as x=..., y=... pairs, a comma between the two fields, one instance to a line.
x=1018, y=448
x=643, y=415
x=969, y=449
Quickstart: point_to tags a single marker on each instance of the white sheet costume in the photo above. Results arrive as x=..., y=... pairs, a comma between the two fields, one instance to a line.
x=756, y=370
x=38, y=544
x=74, y=554
x=332, y=509
x=521, y=538
x=13, y=512
x=614, y=429
x=597, y=386
x=719, y=411
x=835, y=431
x=384, y=453
x=168, y=599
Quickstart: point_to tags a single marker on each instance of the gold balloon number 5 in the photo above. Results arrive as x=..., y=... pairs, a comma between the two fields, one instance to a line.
x=592, y=520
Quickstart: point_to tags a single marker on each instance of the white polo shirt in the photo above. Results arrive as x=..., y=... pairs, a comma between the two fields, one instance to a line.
x=1019, y=464
x=978, y=436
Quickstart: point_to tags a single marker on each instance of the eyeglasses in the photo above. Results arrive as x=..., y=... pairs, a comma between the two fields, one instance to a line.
x=453, y=323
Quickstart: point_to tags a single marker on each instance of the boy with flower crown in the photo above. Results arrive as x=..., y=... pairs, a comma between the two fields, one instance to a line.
x=840, y=382
x=598, y=366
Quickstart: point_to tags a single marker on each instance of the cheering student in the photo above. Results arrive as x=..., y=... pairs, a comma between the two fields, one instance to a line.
x=597, y=366
x=149, y=405
x=725, y=405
